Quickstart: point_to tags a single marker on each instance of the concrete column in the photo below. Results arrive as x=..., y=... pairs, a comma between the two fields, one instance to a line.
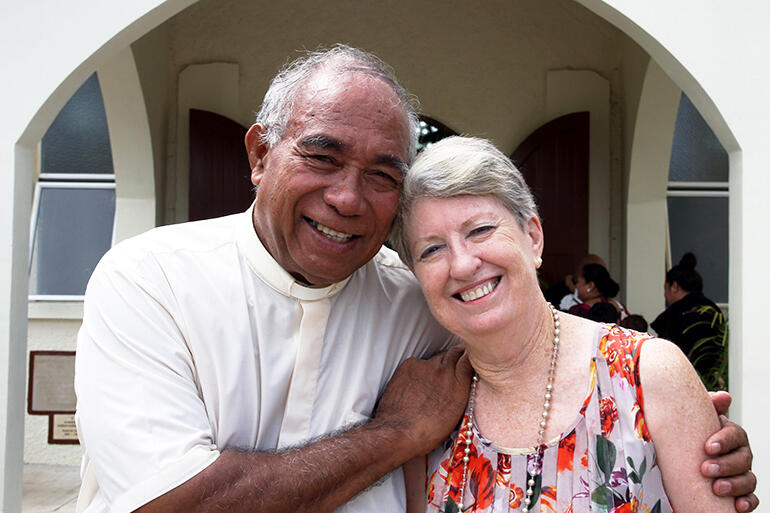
x=647, y=183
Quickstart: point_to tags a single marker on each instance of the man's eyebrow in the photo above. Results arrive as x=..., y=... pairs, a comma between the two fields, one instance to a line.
x=326, y=142
x=322, y=141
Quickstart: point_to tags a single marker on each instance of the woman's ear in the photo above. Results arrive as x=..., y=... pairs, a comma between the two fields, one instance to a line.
x=535, y=232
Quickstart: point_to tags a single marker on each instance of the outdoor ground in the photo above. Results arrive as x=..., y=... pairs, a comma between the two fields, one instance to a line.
x=50, y=488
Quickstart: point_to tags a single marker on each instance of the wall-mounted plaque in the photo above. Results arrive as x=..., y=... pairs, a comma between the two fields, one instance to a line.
x=61, y=429
x=51, y=382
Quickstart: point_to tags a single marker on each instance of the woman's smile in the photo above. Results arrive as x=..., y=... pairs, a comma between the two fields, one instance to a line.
x=477, y=291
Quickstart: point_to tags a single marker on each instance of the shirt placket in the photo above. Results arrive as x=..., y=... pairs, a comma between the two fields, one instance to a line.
x=295, y=427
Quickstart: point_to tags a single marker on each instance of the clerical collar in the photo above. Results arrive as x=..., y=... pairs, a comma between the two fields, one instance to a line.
x=264, y=265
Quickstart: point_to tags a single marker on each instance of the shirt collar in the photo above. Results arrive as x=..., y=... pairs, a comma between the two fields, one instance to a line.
x=264, y=265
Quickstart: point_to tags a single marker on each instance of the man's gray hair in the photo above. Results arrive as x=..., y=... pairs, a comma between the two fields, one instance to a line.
x=277, y=106
x=458, y=166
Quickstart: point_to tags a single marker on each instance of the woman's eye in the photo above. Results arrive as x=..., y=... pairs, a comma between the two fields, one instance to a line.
x=428, y=251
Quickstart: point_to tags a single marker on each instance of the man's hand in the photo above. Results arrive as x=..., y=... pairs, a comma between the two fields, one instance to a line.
x=426, y=398
x=730, y=462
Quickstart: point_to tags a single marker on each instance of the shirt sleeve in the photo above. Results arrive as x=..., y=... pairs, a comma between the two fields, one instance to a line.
x=141, y=420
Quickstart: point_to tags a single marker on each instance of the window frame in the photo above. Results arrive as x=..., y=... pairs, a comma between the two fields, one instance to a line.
x=63, y=181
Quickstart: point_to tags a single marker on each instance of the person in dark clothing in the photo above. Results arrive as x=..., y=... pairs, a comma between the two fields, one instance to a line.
x=692, y=321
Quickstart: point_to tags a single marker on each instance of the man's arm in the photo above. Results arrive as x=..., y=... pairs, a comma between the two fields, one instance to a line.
x=327, y=473
x=730, y=462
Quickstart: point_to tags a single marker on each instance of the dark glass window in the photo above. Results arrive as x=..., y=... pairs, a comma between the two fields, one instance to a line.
x=74, y=205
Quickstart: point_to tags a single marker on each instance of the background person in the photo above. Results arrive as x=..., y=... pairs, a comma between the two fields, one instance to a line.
x=595, y=286
x=691, y=319
x=555, y=412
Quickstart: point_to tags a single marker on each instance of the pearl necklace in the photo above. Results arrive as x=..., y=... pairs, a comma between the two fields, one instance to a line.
x=543, y=423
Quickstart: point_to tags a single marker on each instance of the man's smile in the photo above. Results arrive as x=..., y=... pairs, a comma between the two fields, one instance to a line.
x=330, y=233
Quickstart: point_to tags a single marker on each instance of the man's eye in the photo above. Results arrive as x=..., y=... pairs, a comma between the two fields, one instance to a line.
x=384, y=177
x=322, y=158
x=481, y=230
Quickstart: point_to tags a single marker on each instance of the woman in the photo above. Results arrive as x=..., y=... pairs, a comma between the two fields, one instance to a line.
x=562, y=384
x=692, y=321
x=595, y=289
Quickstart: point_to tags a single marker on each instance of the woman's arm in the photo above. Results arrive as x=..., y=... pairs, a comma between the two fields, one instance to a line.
x=415, y=475
x=680, y=417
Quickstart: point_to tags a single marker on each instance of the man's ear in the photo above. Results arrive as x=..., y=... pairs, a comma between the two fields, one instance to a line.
x=256, y=149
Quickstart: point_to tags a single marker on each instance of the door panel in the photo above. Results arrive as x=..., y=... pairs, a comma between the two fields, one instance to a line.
x=220, y=176
x=554, y=161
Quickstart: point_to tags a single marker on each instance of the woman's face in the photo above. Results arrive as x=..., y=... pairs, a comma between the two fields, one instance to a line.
x=585, y=290
x=475, y=264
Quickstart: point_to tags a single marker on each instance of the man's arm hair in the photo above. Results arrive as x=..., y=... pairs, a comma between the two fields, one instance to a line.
x=321, y=475
x=421, y=405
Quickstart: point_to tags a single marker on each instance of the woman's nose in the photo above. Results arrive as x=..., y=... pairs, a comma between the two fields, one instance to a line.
x=464, y=263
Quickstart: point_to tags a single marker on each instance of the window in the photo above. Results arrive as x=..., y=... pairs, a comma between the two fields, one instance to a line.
x=698, y=200
x=432, y=131
x=73, y=209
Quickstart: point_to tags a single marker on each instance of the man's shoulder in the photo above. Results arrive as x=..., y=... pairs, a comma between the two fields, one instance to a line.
x=195, y=236
x=391, y=271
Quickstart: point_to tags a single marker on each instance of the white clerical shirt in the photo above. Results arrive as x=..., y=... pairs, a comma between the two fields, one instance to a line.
x=195, y=340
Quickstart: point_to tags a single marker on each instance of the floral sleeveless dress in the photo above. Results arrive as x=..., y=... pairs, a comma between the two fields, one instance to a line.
x=604, y=462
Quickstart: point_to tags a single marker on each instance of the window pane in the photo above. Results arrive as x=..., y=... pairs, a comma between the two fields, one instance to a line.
x=78, y=140
x=696, y=153
x=73, y=231
x=699, y=225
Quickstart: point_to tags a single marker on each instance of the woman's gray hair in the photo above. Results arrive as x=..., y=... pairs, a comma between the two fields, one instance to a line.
x=458, y=166
x=278, y=104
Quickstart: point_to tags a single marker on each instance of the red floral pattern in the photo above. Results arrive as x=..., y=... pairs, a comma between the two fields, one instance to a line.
x=595, y=465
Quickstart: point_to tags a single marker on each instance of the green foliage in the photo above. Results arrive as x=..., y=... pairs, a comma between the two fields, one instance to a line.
x=711, y=349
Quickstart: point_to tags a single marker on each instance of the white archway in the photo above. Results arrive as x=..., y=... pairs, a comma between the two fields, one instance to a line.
x=85, y=34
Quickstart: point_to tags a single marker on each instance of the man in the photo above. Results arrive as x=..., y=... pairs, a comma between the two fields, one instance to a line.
x=227, y=364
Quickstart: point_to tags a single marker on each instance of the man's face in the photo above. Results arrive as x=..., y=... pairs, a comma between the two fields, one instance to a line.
x=328, y=191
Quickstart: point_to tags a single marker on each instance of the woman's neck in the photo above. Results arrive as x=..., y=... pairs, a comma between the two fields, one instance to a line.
x=513, y=356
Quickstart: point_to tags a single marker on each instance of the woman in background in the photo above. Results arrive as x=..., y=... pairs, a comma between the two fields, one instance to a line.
x=691, y=321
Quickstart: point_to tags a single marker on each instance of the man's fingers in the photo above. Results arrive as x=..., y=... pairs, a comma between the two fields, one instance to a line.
x=736, y=463
x=747, y=503
x=721, y=401
x=730, y=437
x=464, y=370
x=449, y=356
x=736, y=486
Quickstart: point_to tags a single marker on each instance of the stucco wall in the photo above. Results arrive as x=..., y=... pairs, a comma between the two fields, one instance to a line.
x=49, y=335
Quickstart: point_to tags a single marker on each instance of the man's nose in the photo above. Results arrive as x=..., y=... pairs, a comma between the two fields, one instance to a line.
x=346, y=194
x=464, y=263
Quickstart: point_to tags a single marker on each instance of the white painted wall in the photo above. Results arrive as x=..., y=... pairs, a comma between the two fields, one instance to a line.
x=716, y=53
x=48, y=49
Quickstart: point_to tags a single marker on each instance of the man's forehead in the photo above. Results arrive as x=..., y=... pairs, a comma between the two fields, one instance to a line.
x=326, y=108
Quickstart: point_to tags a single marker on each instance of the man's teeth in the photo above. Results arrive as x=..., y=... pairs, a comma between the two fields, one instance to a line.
x=480, y=291
x=332, y=234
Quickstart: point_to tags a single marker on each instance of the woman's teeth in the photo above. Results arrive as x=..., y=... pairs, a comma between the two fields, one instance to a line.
x=332, y=234
x=480, y=291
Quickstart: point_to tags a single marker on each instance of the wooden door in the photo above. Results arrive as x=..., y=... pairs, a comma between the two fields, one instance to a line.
x=220, y=176
x=554, y=161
